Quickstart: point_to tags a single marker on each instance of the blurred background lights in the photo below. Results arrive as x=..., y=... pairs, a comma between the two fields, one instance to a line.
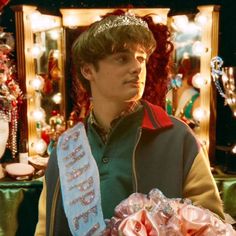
x=180, y=22
x=198, y=81
x=38, y=114
x=35, y=19
x=54, y=34
x=201, y=19
x=158, y=19
x=56, y=54
x=198, y=48
x=37, y=83
x=199, y=114
x=57, y=98
x=40, y=146
x=37, y=50
x=234, y=149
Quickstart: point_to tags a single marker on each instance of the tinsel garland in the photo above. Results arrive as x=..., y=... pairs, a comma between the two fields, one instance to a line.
x=10, y=93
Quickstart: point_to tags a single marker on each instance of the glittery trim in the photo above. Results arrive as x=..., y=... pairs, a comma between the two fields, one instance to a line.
x=123, y=20
x=75, y=173
x=84, y=217
x=85, y=185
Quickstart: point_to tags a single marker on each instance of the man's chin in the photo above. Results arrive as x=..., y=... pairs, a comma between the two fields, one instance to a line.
x=134, y=98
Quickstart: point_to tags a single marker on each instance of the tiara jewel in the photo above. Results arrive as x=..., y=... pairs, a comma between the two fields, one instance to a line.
x=127, y=19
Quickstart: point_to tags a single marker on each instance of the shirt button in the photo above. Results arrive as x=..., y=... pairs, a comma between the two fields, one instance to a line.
x=105, y=160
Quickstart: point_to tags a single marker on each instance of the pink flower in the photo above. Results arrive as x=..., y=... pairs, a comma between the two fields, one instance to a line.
x=201, y=222
x=139, y=224
x=156, y=215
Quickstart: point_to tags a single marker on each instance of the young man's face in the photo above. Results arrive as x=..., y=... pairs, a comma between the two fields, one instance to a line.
x=120, y=77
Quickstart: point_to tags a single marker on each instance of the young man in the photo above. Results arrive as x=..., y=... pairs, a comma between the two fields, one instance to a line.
x=136, y=145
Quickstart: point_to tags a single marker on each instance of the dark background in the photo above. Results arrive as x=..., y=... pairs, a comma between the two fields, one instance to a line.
x=226, y=123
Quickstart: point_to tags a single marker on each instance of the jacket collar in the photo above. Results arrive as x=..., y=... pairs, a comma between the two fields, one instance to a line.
x=155, y=117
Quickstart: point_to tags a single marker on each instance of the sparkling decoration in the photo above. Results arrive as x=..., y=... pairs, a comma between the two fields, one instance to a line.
x=227, y=76
x=155, y=214
x=77, y=172
x=10, y=94
x=85, y=185
x=122, y=20
x=85, y=200
x=93, y=230
x=176, y=82
x=73, y=137
x=40, y=146
x=84, y=216
x=75, y=159
x=216, y=72
x=74, y=153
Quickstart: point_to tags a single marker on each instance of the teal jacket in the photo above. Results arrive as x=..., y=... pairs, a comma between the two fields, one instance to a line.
x=162, y=158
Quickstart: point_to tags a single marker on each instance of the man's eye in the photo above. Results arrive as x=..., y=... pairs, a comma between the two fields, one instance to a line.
x=141, y=59
x=122, y=59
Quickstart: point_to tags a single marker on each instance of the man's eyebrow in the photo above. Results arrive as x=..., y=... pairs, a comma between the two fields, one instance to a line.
x=124, y=50
x=127, y=50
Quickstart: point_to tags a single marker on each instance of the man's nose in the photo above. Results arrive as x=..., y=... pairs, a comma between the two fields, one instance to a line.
x=136, y=67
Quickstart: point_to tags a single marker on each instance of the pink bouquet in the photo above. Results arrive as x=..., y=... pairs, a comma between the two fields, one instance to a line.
x=156, y=215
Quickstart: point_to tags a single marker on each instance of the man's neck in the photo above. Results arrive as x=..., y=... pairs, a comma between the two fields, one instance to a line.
x=105, y=113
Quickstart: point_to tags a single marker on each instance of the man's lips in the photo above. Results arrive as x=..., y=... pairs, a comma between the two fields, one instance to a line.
x=134, y=81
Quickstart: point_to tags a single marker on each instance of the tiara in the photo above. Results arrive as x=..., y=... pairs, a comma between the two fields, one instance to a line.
x=127, y=19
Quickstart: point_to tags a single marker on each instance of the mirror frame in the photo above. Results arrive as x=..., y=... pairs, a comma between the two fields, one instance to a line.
x=83, y=17
x=210, y=37
x=26, y=70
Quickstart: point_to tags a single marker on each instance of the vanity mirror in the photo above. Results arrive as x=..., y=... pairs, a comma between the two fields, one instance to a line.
x=192, y=95
x=196, y=43
x=41, y=72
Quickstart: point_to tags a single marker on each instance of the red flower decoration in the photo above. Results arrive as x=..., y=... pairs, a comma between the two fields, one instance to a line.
x=3, y=3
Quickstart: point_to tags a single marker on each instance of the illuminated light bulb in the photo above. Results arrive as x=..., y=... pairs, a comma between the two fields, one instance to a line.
x=54, y=34
x=198, y=81
x=158, y=19
x=38, y=114
x=49, y=22
x=56, y=54
x=191, y=28
x=201, y=19
x=180, y=22
x=40, y=146
x=198, y=48
x=234, y=149
x=57, y=98
x=224, y=78
x=35, y=19
x=37, y=51
x=37, y=83
x=70, y=21
x=199, y=114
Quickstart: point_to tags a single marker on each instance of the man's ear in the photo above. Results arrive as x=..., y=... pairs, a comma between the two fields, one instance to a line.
x=87, y=71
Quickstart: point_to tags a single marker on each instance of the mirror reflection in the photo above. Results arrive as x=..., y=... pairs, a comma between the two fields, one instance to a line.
x=183, y=98
x=48, y=85
x=49, y=70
